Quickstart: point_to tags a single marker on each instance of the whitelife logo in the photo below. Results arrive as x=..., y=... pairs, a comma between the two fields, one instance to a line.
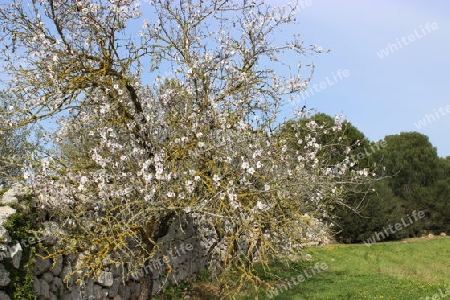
x=404, y=41
x=442, y=294
x=339, y=76
x=378, y=236
x=160, y=262
x=431, y=118
x=288, y=284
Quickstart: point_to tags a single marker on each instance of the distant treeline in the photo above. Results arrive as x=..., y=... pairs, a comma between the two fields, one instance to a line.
x=412, y=177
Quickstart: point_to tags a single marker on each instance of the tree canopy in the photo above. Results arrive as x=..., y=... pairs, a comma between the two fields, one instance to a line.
x=195, y=139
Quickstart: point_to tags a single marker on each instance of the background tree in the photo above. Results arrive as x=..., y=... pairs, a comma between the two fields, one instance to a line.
x=413, y=161
x=441, y=194
x=198, y=143
x=337, y=145
x=416, y=179
x=367, y=207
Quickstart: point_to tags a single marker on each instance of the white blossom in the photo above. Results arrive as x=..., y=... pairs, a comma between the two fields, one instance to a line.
x=261, y=206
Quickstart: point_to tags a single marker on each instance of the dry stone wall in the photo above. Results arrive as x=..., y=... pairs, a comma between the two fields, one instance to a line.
x=188, y=246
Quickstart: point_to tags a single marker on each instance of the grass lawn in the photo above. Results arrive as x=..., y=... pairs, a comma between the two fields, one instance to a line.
x=413, y=269
x=397, y=270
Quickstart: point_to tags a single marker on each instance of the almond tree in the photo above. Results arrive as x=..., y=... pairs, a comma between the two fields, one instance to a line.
x=177, y=118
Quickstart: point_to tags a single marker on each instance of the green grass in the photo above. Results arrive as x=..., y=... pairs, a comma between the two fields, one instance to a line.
x=399, y=270
x=414, y=269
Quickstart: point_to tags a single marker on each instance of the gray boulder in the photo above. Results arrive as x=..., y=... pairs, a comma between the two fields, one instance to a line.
x=16, y=255
x=4, y=276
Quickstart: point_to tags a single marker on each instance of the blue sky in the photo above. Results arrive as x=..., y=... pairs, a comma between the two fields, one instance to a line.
x=389, y=95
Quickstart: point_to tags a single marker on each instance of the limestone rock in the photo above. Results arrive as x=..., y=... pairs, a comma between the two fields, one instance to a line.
x=4, y=235
x=4, y=276
x=49, y=233
x=89, y=287
x=57, y=266
x=41, y=265
x=114, y=289
x=117, y=270
x=57, y=284
x=44, y=289
x=75, y=294
x=67, y=295
x=48, y=277
x=100, y=293
x=9, y=197
x=124, y=291
x=16, y=255
x=3, y=296
x=16, y=193
x=36, y=286
x=5, y=212
x=4, y=251
x=66, y=271
x=106, y=279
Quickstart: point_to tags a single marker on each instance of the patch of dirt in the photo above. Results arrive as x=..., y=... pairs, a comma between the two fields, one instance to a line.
x=425, y=238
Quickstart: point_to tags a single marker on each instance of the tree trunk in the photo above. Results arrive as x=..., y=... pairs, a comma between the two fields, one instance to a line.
x=146, y=287
x=156, y=230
